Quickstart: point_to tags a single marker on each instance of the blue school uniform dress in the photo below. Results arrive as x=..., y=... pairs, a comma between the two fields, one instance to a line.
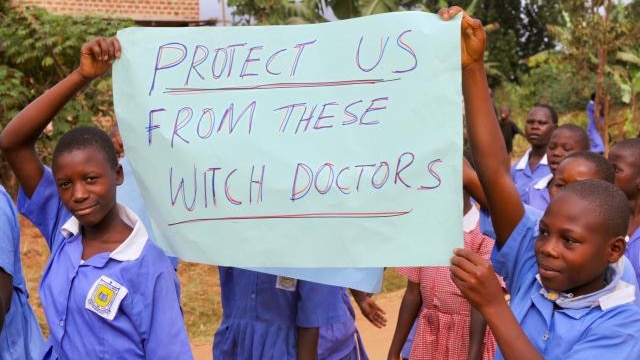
x=595, y=139
x=261, y=313
x=20, y=337
x=600, y=325
x=538, y=194
x=523, y=176
x=118, y=305
x=633, y=252
x=341, y=340
x=128, y=194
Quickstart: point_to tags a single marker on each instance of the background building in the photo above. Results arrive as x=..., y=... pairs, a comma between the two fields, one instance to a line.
x=144, y=12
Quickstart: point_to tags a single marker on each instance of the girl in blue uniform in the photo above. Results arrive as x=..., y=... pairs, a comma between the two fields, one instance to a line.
x=268, y=317
x=20, y=336
x=107, y=291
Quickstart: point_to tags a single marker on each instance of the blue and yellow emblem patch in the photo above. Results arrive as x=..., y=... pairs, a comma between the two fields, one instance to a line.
x=105, y=296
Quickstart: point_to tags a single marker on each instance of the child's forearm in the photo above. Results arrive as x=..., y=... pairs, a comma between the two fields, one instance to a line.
x=409, y=310
x=513, y=342
x=471, y=184
x=477, y=330
x=307, y=348
x=6, y=292
x=491, y=156
x=18, y=138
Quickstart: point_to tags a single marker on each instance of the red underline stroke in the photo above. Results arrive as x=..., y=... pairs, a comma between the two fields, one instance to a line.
x=313, y=215
x=291, y=85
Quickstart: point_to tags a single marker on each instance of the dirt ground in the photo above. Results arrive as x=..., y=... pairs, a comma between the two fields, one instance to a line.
x=376, y=340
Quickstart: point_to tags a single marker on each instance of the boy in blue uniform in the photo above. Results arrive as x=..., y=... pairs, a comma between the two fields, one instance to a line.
x=107, y=291
x=567, y=298
x=565, y=140
x=20, y=336
x=533, y=166
x=625, y=158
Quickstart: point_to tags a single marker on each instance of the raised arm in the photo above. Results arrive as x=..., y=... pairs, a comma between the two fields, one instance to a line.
x=490, y=155
x=17, y=140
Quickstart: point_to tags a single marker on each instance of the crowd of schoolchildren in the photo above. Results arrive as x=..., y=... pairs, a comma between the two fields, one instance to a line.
x=549, y=268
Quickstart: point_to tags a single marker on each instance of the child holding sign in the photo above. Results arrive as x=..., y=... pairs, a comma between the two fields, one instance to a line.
x=446, y=325
x=106, y=289
x=567, y=298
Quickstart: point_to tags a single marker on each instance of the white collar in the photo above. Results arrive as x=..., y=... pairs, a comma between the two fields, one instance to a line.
x=617, y=292
x=470, y=219
x=542, y=183
x=525, y=159
x=131, y=247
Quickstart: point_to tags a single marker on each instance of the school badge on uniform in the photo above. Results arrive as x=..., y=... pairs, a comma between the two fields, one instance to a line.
x=286, y=283
x=105, y=296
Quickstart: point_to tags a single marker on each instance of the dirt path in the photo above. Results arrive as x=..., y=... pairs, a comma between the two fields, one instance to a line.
x=376, y=340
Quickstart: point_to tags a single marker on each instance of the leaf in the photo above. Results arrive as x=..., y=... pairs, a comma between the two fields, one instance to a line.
x=628, y=57
x=47, y=61
x=371, y=7
x=344, y=9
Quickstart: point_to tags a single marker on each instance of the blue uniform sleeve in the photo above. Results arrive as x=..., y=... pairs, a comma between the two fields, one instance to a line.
x=9, y=233
x=613, y=337
x=516, y=260
x=320, y=305
x=161, y=320
x=44, y=209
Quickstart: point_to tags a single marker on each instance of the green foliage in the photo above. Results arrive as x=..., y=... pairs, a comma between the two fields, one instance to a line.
x=38, y=49
x=276, y=12
x=554, y=83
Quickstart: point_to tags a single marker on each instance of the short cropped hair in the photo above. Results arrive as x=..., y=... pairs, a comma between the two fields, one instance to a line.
x=604, y=169
x=85, y=137
x=607, y=200
x=578, y=132
x=551, y=110
x=631, y=147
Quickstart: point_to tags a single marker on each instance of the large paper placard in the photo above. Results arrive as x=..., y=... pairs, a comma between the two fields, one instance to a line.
x=322, y=145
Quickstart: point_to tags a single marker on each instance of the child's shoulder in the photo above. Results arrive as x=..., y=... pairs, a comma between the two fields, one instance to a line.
x=621, y=319
x=152, y=254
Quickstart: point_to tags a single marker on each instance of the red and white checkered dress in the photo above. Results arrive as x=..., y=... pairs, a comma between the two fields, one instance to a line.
x=443, y=326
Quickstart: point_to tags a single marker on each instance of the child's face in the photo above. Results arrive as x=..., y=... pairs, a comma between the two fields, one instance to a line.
x=504, y=113
x=538, y=127
x=573, y=249
x=562, y=143
x=627, y=172
x=569, y=171
x=87, y=184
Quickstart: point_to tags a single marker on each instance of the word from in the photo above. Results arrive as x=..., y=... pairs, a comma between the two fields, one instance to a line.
x=206, y=122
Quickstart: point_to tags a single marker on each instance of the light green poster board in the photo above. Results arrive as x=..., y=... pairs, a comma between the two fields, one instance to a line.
x=324, y=145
